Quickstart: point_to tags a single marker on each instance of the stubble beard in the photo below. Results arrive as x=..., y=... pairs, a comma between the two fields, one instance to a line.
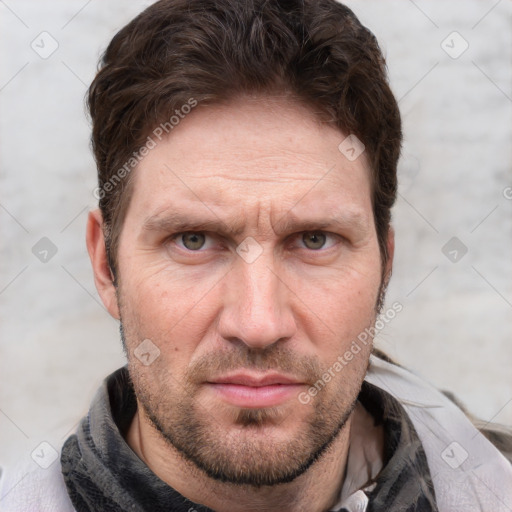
x=243, y=450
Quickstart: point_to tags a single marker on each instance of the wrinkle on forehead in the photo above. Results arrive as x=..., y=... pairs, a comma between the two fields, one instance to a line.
x=249, y=160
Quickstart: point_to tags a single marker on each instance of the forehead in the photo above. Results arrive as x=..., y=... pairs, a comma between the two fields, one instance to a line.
x=266, y=152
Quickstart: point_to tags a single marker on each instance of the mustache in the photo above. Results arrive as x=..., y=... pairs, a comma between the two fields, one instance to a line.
x=275, y=358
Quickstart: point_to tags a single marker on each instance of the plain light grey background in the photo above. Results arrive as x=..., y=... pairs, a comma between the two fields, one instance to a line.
x=450, y=67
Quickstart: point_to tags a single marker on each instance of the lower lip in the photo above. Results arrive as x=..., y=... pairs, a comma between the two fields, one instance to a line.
x=256, y=397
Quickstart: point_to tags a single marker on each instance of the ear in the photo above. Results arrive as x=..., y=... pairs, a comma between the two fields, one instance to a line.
x=390, y=246
x=103, y=277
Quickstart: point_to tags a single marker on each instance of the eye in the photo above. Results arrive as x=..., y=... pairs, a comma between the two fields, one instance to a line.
x=192, y=241
x=316, y=240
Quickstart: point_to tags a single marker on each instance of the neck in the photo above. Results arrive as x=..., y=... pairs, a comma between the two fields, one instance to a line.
x=316, y=490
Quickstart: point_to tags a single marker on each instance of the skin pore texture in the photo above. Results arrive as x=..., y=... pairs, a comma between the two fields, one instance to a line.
x=241, y=333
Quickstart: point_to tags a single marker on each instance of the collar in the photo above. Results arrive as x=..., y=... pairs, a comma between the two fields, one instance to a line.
x=397, y=478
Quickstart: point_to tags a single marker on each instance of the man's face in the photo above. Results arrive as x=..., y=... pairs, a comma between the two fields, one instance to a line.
x=249, y=257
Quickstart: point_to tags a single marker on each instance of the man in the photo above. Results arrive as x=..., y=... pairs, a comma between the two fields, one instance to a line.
x=247, y=157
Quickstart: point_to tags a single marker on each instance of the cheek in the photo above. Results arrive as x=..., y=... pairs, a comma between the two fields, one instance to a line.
x=173, y=310
x=337, y=308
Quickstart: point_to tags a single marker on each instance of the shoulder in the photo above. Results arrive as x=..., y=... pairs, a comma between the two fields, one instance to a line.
x=28, y=487
x=499, y=435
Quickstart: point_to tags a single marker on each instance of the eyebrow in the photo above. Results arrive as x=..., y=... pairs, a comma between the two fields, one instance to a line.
x=179, y=221
x=347, y=219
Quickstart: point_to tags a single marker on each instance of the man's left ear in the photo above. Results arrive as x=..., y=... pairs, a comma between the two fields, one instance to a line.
x=390, y=246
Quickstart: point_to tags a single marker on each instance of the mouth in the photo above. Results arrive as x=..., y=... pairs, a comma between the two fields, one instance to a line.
x=254, y=391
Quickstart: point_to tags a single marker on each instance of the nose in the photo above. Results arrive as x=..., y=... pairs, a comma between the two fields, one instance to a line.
x=257, y=308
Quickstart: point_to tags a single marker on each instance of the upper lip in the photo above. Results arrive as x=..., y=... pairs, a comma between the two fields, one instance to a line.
x=246, y=379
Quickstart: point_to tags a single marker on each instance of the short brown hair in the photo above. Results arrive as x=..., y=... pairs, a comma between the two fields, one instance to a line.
x=213, y=50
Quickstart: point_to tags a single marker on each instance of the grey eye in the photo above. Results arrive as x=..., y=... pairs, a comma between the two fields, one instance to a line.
x=314, y=239
x=193, y=241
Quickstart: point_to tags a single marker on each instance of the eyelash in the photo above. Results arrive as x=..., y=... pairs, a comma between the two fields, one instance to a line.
x=174, y=237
